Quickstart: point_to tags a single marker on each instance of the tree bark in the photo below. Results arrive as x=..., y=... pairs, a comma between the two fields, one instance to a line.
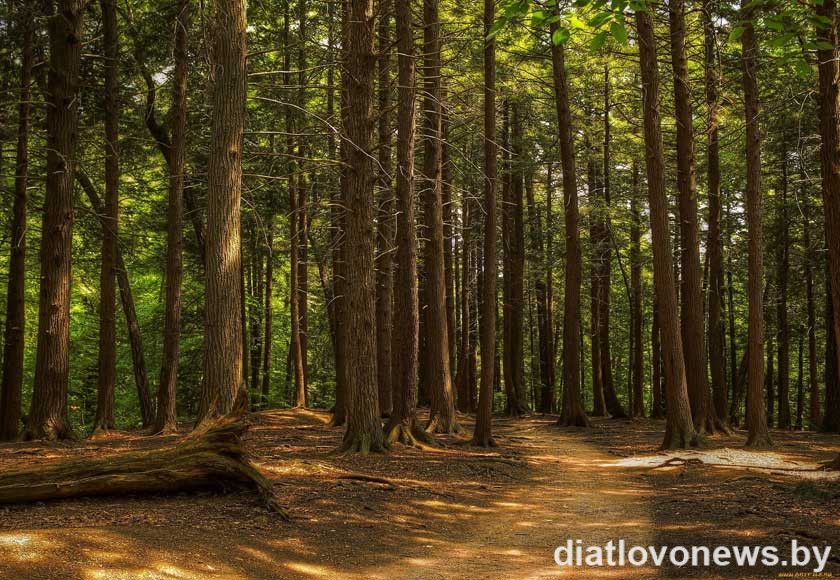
x=637, y=363
x=166, y=418
x=572, y=412
x=483, y=435
x=48, y=413
x=758, y=435
x=223, y=352
x=679, y=427
x=14, y=341
x=782, y=265
x=265, y=387
x=693, y=335
x=364, y=431
x=439, y=375
x=829, y=87
x=403, y=426
x=385, y=215
x=211, y=458
x=717, y=328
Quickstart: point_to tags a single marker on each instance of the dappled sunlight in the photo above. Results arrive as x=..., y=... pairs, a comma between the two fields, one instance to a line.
x=312, y=570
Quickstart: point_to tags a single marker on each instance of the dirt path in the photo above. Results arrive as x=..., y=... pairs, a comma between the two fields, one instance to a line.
x=451, y=512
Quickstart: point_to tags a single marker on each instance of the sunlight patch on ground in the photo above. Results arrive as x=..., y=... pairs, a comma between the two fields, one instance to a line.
x=15, y=539
x=312, y=569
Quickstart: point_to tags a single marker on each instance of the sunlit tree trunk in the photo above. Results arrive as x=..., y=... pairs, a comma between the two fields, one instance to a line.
x=13, y=351
x=223, y=383
x=679, y=428
x=48, y=412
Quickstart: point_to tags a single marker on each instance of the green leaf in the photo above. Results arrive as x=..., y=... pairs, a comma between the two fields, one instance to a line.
x=496, y=28
x=560, y=36
x=803, y=69
x=619, y=32
x=736, y=33
x=598, y=41
x=779, y=41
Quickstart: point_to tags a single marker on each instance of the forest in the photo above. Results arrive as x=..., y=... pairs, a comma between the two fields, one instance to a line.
x=417, y=288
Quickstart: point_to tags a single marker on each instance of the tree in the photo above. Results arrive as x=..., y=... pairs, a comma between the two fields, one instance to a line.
x=572, y=412
x=483, y=435
x=10, y=389
x=758, y=435
x=638, y=408
x=439, y=376
x=364, y=431
x=223, y=352
x=166, y=418
x=782, y=266
x=48, y=411
x=691, y=312
x=716, y=326
x=402, y=426
x=679, y=427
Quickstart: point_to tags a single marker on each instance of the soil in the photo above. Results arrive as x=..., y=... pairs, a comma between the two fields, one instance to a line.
x=452, y=511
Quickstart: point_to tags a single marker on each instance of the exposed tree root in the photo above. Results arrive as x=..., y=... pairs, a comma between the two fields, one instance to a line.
x=211, y=457
x=759, y=441
x=478, y=441
x=408, y=434
x=576, y=419
x=361, y=443
x=680, y=440
x=833, y=465
x=677, y=461
x=442, y=426
x=369, y=479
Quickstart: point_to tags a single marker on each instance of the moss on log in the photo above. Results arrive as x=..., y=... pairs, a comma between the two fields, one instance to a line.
x=211, y=457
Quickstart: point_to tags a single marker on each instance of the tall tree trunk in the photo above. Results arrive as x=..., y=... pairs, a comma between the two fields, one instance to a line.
x=439, y=375
x=637, y=363
x=487, y=324
x=572, y=412
x=223, y=352
x=657, y=410
x=605, y=248
x=831, y=418
x=302, y=205
x=800, y=383
x=782, y=264
x=717, y=328
x=829, y=84
x=265, y=387
x=679, y=428
x=449, y=263
x=466, y=355
x=385, y=215
x=814, y=407
x=758, y=435
x=166, y=418
x=769, y=385
x=403, y=426
x=107, y=356
x=13, y=350
x=48, y=413
x=599, y=408
x=693, y=335
x=364, y=431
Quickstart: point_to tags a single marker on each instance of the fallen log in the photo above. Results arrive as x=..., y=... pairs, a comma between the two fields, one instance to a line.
x=211, y=457
x=834, y=465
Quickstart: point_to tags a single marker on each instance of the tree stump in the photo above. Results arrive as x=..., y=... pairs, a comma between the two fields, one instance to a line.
x=211, y=457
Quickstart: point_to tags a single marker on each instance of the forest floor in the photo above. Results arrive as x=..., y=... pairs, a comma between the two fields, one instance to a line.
x=447, y=512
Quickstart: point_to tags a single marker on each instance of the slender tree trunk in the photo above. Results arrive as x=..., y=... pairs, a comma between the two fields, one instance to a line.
x=783, y=263
x=386, y=216
x=637, y=364
x=10, y=389
x=800, y=383
x=265, y=387
x=769, y=385
x=717, y=328
x=814, y=409
x=403, y=426
x=829, y=85
x=679, y=428
x=303, y=195
x=223, y=353
x=657, y=410
x=487, y=324
x=166, y=418
x=439, y=375
x=759, y=435
x=572, y=412
x=694, y=345
x=449, y=250
x=605, y=248
x=48, y=413
x=595, y=296
x=364, y=431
